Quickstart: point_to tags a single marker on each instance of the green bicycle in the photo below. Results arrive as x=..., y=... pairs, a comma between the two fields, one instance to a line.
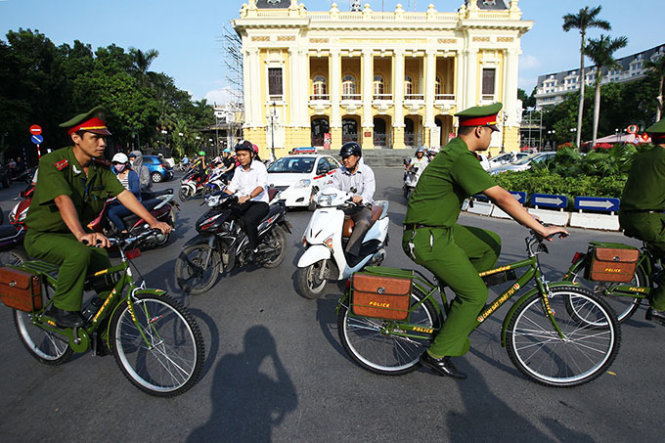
x=154, y=339
x=542, y=339
x=624, y=297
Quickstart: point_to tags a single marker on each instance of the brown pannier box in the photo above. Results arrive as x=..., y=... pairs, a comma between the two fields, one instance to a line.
x=20, y=290
x=381, y=296
x=615, y=264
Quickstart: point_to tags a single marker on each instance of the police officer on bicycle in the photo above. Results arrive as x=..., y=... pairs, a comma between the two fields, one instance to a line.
x=453, y=252
x=642, y=206
x=72, y=188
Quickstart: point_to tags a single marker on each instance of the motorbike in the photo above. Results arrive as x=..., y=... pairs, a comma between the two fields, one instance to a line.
x=193, y=183
x=411, y=177
x=326, y=236
x=160, y=204
x=20, y=209
x=221, y=245
x=217, y=181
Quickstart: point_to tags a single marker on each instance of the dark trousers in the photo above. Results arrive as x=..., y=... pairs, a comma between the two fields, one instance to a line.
x=250, y=214
x=362, y=218
x=116, y=212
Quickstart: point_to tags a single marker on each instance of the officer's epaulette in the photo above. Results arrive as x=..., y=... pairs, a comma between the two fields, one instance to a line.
x=62, y=164
x=102, y=162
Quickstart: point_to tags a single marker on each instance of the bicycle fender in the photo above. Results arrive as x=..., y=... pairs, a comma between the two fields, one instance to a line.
x=150, y=291
x=522, y=300
x=313, y=254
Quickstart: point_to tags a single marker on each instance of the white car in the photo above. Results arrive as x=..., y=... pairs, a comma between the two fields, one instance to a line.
x=524, y=164
x=299, y=177
x=506, y=157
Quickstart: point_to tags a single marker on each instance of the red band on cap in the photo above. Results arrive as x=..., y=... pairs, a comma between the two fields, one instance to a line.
x=478, y=121
x=94, y=123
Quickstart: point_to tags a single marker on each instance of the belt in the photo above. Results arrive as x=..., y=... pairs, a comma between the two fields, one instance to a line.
x=412, y=226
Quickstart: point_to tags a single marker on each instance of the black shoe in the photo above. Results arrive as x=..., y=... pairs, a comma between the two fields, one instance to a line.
x=443, y=366
x=251, y=257
x=66, y=319
x=654, y=315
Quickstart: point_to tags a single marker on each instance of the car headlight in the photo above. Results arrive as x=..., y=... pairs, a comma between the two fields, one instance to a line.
x=304, y=183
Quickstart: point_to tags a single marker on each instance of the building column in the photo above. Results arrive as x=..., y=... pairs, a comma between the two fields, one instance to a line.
x=368, y=78
x=398, y=95
x=510, y=86
x=335, y=82
x=471, y=59
x=430, y=80
x=252, y=77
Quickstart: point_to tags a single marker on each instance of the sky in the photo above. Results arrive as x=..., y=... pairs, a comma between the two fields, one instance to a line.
x=187, y=34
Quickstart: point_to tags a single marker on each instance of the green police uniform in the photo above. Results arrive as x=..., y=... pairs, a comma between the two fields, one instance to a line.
x=643, y=201
x=453, y=252
x=48, y=237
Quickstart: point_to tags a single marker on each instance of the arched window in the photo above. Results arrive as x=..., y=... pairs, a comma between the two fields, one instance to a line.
x=348, y=87
x=378, y=86
x=320, y=87
x=437, y=86
x=408, y=86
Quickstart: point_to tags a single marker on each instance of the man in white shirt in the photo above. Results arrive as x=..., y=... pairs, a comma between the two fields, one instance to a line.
x=250, y=184
x=358, y=178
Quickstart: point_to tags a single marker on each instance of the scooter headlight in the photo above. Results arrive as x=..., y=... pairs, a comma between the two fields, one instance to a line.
x=213, y=200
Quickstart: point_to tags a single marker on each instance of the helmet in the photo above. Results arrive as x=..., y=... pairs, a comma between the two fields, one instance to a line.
x=244, y=145
x=421, y=149
x=202, y=153
x=227, y=150
x=120, y=158
x=349, y=149
x=256, y=148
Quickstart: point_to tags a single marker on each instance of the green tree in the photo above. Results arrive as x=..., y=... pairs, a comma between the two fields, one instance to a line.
x=656, y=68
x=140, y=64
x=601, y=51
x=584, y=19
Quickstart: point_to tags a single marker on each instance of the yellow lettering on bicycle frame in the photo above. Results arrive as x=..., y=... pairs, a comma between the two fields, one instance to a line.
x=633, y=289
x=494, y=271
x=103, y=308
x=547, y=305
x=423, y=330
x=499, y=301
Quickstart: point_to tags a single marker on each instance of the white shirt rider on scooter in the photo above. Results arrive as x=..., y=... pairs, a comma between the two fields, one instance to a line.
x=358, y=178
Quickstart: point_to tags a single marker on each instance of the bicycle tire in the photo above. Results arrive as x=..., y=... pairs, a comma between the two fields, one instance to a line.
x=370, y=346
x=588, y=349
x=190, y=272
x=624, y=306
x=47, y=347
x=173, y=361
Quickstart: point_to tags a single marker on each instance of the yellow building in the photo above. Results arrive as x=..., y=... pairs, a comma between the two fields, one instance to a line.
x=384, y=79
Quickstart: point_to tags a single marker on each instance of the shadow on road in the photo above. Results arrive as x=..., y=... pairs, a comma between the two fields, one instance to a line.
x=249, y=397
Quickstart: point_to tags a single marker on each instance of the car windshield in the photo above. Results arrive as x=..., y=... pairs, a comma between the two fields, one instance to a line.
x=524, y=161
x=301, y=165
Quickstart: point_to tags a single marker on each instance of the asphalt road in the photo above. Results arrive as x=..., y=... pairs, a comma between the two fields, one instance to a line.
x=275, y=369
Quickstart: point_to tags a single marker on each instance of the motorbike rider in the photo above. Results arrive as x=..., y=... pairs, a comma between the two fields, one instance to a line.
x=72, y=188
x=642, y=206
x=228, y=161
x=356, y=177
x=420, y=161
x=453, y=252
x=130, y=181
x=136, y=163
x=250, y=184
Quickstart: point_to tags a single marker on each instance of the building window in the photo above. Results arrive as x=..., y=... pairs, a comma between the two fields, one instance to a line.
x=349, y=88
x=275, y=90
x=408, y=85
x=489, y=76
x=320, y=88
x=378, y=87
x=437, y=86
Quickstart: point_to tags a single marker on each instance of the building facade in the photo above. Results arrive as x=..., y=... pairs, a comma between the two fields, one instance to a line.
x=552, y=88
x=383, y=79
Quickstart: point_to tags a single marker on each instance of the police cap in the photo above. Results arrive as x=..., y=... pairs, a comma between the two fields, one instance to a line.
x=91, y=121
x=480, y=116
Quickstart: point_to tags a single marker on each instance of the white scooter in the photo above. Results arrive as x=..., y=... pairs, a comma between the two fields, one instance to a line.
x=326, y=236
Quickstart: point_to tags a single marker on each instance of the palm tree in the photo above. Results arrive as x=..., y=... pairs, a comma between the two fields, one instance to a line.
x=657, y=68
x=141, y=62
x=586, y=18
x=601, y=51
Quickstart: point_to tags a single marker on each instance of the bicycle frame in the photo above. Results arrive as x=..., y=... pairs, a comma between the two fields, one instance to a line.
x=408, y=330
x=80, y=338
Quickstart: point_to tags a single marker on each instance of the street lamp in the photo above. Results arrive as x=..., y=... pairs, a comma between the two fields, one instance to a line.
x=164, y=132
x=572, y=133
x=273, y=117
x=503, y=133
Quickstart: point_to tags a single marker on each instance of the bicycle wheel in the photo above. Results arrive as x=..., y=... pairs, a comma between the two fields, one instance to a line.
x=197, y=268
x=624, y=306
x=167, y=359
x=370, y=342
x=47, y=347
x=587, y=349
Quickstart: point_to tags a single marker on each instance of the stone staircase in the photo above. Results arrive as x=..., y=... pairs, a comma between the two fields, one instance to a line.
x=387, y=157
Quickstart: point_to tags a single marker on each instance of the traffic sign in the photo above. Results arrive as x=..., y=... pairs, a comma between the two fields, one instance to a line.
x=604, y=204
x=520, y=196
x=35, y=129
x=37, y=139
x=549, y=200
